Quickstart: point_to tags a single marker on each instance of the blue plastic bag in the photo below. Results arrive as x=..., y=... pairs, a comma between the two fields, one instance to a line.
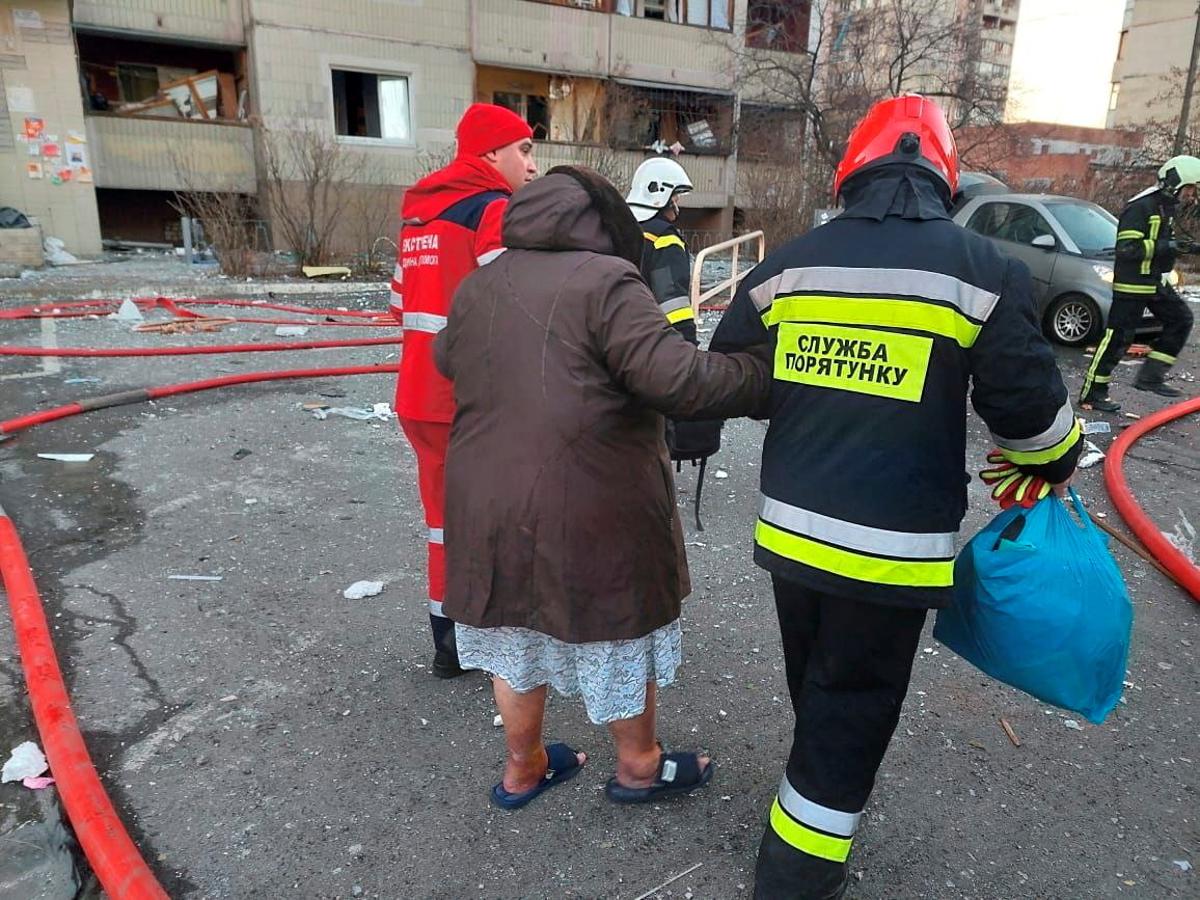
x=1039, y=604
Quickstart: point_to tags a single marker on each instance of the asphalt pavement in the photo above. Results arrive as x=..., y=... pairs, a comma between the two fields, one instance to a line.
x=263, y=736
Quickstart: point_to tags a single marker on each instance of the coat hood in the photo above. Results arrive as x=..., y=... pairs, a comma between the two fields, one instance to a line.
x=907, y=191
x=572, y=208
x=438, y=191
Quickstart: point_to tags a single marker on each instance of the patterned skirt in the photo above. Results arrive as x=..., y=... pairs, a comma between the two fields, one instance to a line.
x=611, y=675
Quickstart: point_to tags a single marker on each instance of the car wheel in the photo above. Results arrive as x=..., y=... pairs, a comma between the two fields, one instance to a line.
x=1073, y=320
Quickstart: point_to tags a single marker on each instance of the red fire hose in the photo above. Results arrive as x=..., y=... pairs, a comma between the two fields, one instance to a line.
x=1187, y=574
x=190, y=350
x=111, y=853
x=81, y=308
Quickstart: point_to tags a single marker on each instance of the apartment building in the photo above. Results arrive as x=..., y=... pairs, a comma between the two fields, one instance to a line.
x=167, y=95
x=1156, y=45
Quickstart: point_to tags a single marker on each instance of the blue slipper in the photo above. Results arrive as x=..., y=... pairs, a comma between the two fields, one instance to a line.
x=562, y=764
x=678, y=773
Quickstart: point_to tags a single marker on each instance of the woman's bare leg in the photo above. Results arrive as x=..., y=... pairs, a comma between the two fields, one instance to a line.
x=525, y=766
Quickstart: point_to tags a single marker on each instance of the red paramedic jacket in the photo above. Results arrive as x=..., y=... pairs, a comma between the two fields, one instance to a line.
x=450, y=227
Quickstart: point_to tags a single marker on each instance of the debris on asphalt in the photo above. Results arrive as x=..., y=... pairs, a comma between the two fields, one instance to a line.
x=497, y=721
x=721, y=473
x=325, y=271
x=241, y=453
x=128, y=312
x=37, y=860
x=379, y=411
x=190, y=325
x=1097, y=428
x=195, y=577
x=1182, y=864
x=1072, y=724
x=67, y=457
x=25, y=761
x=1129, y=415
x=1183, y=537
x=291, y=331
x=1012, y=735
x=1092, y=455
x=361, y=589
x=37, y=782
x=658, y=887
x=91, y=379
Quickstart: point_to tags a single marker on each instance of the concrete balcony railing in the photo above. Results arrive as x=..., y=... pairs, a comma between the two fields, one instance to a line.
x=171, y=155
x=219, y=21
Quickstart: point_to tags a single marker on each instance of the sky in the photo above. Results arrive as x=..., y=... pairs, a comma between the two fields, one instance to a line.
x=1062, y=61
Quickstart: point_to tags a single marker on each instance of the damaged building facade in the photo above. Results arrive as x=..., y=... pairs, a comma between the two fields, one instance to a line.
x=175, y=96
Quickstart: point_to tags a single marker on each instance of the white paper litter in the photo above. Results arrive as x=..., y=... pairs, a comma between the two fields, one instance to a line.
x=1183, y=537
x=128, y=312
x=67, y=457
x=1092, y=455
x=498, y=721
x=194, y=577
x=721, y=473
x=380, y=411
x=1182, y=864
x=1097, y=428
x=26, y=761
x=361, y=589
x=291, y=331
x=1072, y=724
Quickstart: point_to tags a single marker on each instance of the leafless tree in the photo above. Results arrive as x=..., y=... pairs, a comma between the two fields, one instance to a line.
x=310, y=180
x=227, y=217
x=850, y=58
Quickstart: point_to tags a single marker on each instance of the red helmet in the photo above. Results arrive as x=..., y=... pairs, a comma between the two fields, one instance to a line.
x=909, y=128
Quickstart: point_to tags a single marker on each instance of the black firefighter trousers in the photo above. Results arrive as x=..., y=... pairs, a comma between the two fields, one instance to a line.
x=1164, y=304
x=848, y=666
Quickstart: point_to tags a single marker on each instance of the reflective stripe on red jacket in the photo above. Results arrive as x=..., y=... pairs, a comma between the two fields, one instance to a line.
x=451, y=226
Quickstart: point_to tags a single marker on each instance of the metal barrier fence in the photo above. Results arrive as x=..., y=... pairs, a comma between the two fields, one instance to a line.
x=733, y=245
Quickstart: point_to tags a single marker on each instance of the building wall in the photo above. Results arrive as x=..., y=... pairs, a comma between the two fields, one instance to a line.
x=37, y=66
x=1157, y=40
x=171, y=154
x=214, y=20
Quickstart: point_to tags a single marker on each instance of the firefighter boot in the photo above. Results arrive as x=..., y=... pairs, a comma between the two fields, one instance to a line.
x=1097, y=399
x=1150, y=378
x=785, y=873
x=445, y=655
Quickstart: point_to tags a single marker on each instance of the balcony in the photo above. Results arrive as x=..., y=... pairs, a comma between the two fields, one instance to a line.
x=542, y=36
x=171, y=155
x=215, y=21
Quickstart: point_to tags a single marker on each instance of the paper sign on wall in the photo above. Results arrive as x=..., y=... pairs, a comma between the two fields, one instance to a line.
x=51, y=151
x=83, y=174
x=20, y=99
x=34, y=170
x=28, y=18
x=34, y=127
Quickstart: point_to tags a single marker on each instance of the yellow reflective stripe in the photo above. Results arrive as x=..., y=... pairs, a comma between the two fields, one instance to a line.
x=858, y=566
x=1155, y=224
x=669, y=240
x=1041, y=457
x=1161, y=357
x=1135, y=288
x=650, y=237
x=1130, y=233
x=912, y=314
x=1091, y=372
x=680, y=315
x=834, y=849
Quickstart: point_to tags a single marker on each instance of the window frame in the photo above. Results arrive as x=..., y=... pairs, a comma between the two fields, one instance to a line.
x=366, y=68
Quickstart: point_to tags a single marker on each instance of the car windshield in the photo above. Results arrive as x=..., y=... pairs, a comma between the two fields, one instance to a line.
x=1091, y=227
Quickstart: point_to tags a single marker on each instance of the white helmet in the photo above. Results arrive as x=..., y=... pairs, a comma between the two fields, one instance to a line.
x=655, y=182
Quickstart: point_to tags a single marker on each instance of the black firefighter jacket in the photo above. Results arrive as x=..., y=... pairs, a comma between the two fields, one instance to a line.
x=882, y=322
x=1144, y=244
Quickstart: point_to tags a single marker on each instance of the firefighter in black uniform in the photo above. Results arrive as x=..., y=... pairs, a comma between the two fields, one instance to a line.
x=1146, y=254
x=667, y=269
x=881, y=322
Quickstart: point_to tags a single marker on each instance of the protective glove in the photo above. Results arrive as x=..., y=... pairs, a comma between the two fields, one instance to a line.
x=1010, y=485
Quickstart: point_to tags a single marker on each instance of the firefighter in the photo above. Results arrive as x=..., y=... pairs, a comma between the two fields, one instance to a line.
x=1146, y=254
x=879, y=322
x=450, y=226
x=667, y=269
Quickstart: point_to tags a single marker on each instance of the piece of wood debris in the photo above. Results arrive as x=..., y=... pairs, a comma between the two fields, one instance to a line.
x=1012, y=735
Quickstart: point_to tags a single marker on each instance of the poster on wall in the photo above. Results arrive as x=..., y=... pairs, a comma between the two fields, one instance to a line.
x=34, y=170
x=51, y=150
x=28, y=18
x=83, y=175
x=20, y=99
x=34, y=127
x=63, y=175
x=77, y=156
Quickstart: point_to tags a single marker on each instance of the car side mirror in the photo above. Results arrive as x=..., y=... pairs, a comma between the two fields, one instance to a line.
x=1045, y=241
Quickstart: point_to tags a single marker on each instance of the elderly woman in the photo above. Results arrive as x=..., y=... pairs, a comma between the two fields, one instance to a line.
x=564, y=548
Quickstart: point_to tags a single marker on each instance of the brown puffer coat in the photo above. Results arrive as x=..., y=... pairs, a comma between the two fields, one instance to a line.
x=560, y=505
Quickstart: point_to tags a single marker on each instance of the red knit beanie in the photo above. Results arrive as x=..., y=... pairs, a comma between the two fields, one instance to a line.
x=485, y=127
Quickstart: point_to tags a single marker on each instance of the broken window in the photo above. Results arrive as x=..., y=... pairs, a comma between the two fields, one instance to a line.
x=371, y=105
x=778, y=25
x=678, y=121
x=533, y=108
x=160, y=79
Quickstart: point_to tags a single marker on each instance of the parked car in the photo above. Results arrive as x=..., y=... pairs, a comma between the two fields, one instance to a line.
x=1069, y=246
